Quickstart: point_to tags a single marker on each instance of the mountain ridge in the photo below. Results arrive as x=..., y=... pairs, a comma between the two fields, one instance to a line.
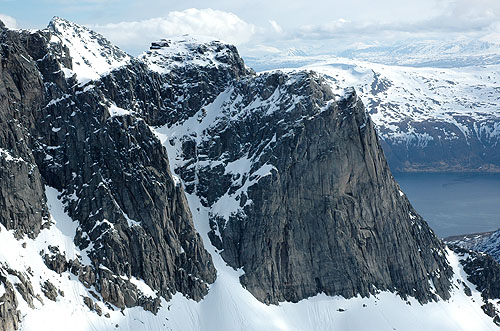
x=429, y=119
x=116, y=153
x=487, y=242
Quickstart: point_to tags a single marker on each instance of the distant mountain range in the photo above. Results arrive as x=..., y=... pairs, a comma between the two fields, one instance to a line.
x=410, y=53
x=429, y=118
x=431, y=53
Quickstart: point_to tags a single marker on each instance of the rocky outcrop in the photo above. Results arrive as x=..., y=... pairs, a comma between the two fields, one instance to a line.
x=49, y=290
x=487, y=242
x=91, y=54
x=10, y=317
x=482, y=270
x=333, y=219
x=193, y=74
x=136, y=219
x=301, y=196
x=111, y=170
x=22, y=201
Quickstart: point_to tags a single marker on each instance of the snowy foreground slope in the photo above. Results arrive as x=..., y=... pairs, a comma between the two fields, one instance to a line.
x=127, y=200
x=429, y=118
x=228, y=306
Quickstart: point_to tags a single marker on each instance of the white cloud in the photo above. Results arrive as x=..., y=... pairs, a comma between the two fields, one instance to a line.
x=218, y=24
x=8, y=21
x=451, y=20
x=254, y=27
x=259, y=49
x=455, y=17
x=276, y=27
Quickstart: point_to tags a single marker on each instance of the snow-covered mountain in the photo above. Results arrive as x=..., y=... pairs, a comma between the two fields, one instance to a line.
x=91, y=54
x=431, y=53
x=181, y=191
x=419, y=53
x=430, y=119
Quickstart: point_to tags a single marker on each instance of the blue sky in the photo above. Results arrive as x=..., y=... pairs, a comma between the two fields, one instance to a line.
x=262, y=26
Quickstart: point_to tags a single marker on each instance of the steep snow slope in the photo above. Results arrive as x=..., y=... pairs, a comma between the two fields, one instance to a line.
x=228, y=306
x=91, y=53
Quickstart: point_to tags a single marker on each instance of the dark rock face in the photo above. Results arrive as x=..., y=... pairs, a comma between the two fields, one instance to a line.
x=318, y=209
x=22, y=198
x=22, y=201
x=335, y=220
x=111, y=169
x=121, y=191
x=9, y=315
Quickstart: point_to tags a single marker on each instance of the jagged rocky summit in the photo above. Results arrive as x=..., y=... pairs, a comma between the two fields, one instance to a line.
x=304, y=200
x=112, y=174
x=110, y=151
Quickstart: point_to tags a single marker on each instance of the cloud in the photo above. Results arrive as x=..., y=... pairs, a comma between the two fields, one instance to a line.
x=218, y=24
x=447, y=21
x=456, y=17
x=8, y=21
x=261, y=49
x=276, y=27
x=258, y=31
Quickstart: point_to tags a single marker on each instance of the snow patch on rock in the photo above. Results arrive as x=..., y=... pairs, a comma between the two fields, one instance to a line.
x=92, y=55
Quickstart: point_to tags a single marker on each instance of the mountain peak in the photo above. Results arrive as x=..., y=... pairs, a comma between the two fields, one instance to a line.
x=189, y=50
x=57, y=19
x=295, y=52
x=92, y=54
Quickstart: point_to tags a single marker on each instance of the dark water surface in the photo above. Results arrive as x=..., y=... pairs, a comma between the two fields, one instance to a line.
x=455, y=204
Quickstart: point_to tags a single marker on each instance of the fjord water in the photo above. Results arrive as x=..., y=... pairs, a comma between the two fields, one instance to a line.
x=454, y=203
